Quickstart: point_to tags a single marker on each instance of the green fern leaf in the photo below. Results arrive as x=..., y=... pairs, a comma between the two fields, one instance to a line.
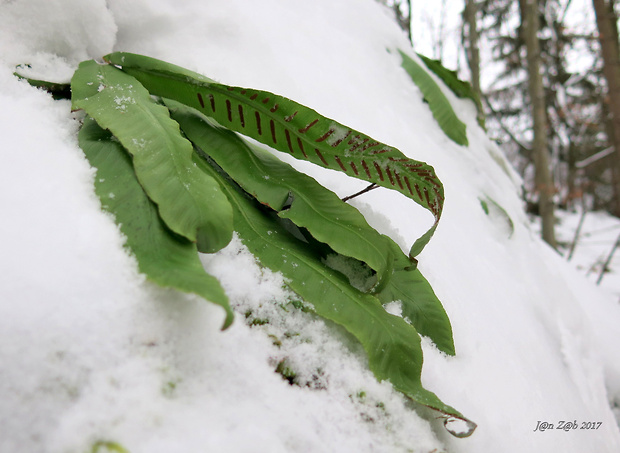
x=440, y=106
x=165, y=258
x=459, y=87
x=419, y=304
x=292, y=194
x=290, y=127
x=392, y=345
x=301, y=199
x=189, y=202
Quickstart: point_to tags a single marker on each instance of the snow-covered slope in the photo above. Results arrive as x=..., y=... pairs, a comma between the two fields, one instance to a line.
x=90, y=351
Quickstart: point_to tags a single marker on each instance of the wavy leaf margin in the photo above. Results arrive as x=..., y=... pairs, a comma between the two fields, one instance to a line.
x=293, y=128
x=165, y=258
x=189, y=202
x=440, y=107
x=393, y=346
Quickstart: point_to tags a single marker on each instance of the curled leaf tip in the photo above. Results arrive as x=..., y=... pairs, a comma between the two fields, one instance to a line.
x=459, y=427
x=230, y=317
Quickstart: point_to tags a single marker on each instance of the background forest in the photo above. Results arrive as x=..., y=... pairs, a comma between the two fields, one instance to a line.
x=550, y=92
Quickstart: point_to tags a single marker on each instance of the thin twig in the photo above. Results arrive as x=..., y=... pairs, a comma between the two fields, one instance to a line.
x=577, y=232
x=608, y=260
x=503, y=127
x=361, y=192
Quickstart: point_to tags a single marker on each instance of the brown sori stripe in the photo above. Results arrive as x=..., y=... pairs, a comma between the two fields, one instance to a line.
x=243, y=91
x=408, y=185
x=241, y=118
x=318, y=153
x=417, y=189
x=229, y=110
x=337, y=159
x=428, y=200
x=358, y=144
x=412, y=166
x=354, y=167
x=288, y=140
x=389, y=173
x=290, y=117
x=354, y=139
x=258, y=125
x=366, y=169
x=354, y=147
x=301, y=147
x=399, y=159
x=400, y=184
x=380, y=151
x=202, y=102
x=254, y=96
x=378, y=168
x=325, y=135
x=434, y=182
x=265, y=100
x=273, y=131
x=274, y=108
x=419, y=170
x=340, y=140
x=369, y=145
x=212, y=101
x=305, y=129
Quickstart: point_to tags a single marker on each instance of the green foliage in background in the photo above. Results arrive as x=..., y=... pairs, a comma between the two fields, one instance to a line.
x=498, y=214
x=104, y=446
x=459, y=87
x=440, y=107
x=179, y=179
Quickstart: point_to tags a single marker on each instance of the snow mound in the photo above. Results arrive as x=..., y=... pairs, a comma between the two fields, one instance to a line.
x=90, y=351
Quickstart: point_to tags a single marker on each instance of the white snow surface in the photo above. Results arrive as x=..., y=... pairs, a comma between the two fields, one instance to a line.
x=91, y=351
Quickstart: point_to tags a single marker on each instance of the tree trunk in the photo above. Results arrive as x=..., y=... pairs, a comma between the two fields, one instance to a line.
x=409, y=13
x=472, y=51
x=471, y=44
x=544, y=184
x=608, y=37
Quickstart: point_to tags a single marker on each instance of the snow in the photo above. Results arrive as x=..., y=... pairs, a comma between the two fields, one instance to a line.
x=91, y=351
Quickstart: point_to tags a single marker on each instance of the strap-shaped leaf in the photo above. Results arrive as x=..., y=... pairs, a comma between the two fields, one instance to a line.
x=459, y=87
x=189, y=202
x=292, y=194
x=58, y=90
x=393, y=346
x=418, y=301
x=290, y=127
x=166, y=259
x=440, y=106
x=496, y=212
x=306, y=203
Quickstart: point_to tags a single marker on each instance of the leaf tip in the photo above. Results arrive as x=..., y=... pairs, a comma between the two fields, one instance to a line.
x=459, y=427
x=230, y=317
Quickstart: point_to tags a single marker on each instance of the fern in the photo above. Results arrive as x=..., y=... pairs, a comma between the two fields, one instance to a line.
x=440, y=106
x=179, y=179
x=459, y=87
